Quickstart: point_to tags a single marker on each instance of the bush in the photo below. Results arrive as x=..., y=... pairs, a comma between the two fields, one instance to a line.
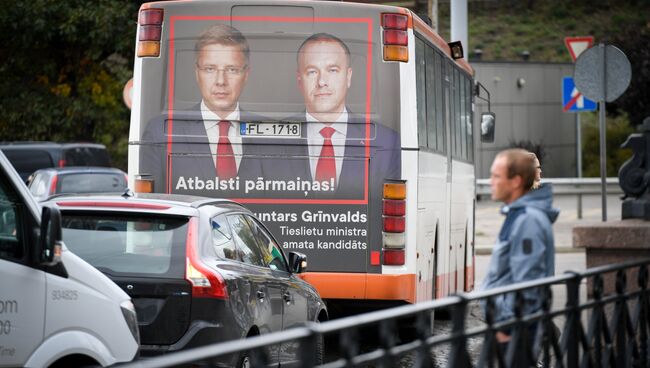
x=618, y=129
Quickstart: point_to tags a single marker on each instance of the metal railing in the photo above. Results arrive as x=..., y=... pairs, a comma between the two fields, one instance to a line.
x=562, y=186
x=605, y=329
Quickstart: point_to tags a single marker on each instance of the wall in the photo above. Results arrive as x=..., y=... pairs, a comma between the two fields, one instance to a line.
x=531, y=112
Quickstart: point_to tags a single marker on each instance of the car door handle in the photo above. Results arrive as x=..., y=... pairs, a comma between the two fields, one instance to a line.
x=260, y=294
x=287, y=297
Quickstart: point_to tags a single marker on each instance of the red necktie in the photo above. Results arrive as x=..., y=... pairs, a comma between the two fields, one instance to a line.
x=226, y=165
x=326, y=167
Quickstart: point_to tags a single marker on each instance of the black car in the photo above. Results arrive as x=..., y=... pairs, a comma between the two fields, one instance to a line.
x=77, y=179
x=27, y=157
x=199, y=270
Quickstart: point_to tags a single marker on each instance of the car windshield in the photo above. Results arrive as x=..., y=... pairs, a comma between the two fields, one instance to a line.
x=128, y=244
x=91, y=183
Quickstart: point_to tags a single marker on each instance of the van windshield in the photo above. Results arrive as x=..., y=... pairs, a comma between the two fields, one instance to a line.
x=128, y=244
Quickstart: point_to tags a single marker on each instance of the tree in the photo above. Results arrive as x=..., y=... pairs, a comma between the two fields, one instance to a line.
x=634, y=41
x=618, y=129
x=62, y=70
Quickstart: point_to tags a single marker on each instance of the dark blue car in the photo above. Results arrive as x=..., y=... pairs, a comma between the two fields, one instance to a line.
x=198, y=270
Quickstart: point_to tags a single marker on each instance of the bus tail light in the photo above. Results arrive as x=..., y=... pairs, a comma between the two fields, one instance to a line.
x=394, y=190
x=206, y=283
x=395, y=36
x=394, y=207
x=394, y=223
x=150, y=32
x=143, y=185
x=394, y=257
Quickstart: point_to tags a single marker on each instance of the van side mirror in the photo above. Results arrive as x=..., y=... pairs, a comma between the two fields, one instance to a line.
x=50, y=244
x=297, y=262
x=487, y=127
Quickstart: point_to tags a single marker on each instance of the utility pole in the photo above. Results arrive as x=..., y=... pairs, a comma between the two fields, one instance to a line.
x=433, y=14
x=459, y=23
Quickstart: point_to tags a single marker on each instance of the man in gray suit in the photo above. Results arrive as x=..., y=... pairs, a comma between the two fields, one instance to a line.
x=334, y=139
x=207, y=154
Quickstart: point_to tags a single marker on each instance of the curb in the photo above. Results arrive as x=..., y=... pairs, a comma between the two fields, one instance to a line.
x=487, y=250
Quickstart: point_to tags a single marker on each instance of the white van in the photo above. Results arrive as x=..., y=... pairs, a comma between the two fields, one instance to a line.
x=55, y=309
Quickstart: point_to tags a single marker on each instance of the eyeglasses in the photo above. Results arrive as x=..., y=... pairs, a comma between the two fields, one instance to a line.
x=230, y=71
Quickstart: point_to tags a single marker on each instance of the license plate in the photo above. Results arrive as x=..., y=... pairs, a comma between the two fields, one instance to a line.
x=270, y=129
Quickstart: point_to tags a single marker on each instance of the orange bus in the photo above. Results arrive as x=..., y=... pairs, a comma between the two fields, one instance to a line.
x=347, y=128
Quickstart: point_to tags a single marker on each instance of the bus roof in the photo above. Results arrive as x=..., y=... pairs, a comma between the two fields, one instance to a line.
x=425, y=30
x=414, y=21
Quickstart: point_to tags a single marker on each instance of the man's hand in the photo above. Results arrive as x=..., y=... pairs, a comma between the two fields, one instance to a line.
x=502, y=337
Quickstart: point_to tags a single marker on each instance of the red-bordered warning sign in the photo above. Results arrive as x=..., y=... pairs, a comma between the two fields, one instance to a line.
x=576, y=45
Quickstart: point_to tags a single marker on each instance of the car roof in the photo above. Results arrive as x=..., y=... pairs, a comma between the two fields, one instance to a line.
x=81, y=169
x=140, y=202
x=47, y=144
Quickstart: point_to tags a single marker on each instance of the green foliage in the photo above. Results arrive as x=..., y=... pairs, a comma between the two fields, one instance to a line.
x=618, y=129
x=633, y=40
x=64, y=65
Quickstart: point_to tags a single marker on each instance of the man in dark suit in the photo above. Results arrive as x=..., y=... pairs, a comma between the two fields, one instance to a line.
x=333, y=144
x=206, y=154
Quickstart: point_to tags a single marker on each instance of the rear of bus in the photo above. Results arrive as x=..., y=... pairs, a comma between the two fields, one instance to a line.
x=353, y=227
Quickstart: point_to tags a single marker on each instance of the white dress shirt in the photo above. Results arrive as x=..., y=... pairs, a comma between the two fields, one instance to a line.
x=316, y=140
x=211, y=123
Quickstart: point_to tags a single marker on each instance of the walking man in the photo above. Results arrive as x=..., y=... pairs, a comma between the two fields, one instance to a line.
x=525, y=249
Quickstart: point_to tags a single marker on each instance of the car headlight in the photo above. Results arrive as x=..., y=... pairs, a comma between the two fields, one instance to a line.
x=128, y=310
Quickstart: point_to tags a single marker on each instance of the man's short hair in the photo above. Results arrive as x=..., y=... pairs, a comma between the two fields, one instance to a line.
x=325, y=37
x=520, y=162
x=222, y=34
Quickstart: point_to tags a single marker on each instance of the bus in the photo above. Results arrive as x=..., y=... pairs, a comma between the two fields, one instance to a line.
x=347, y=128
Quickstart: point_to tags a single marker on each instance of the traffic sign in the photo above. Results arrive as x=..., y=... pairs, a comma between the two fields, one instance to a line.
x=576, y=45
x=573, y=100
x=603, y=73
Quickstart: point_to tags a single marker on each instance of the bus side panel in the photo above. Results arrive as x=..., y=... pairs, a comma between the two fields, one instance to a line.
x=432, y=170
x=462, y=217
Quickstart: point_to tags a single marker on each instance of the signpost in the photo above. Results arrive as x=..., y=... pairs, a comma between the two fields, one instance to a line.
x=602, y=73
x=576, y=46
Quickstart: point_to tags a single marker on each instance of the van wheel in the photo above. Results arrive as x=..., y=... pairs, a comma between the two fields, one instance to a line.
x=76, y=360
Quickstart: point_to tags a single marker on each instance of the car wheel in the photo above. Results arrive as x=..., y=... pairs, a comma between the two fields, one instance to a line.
x=320, y=349
x=244, y=360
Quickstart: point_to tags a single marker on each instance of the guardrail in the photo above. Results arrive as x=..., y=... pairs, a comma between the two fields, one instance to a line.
x=562, y=186
x=616, y=331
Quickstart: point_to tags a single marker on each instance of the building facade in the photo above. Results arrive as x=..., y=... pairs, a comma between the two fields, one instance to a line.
x=527, y=100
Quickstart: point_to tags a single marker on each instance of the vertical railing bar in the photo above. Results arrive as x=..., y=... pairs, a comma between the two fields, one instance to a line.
x=458, y=356
x=387, y=341
x=618, y=321
x=308, y=346
x=349, y=345
x=642, y=318
x=573, y=320
x=423, y=329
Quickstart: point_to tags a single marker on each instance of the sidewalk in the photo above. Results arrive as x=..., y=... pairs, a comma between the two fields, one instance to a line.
x=489, y=220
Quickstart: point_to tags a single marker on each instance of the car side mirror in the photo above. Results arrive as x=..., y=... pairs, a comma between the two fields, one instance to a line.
x=50, y=244
x=487, y=127
x=297, y=262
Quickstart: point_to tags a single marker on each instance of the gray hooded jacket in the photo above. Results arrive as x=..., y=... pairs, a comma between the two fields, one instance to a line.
x=524, y=251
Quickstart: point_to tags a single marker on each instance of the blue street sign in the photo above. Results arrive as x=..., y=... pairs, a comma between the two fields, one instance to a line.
x=573, y=100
